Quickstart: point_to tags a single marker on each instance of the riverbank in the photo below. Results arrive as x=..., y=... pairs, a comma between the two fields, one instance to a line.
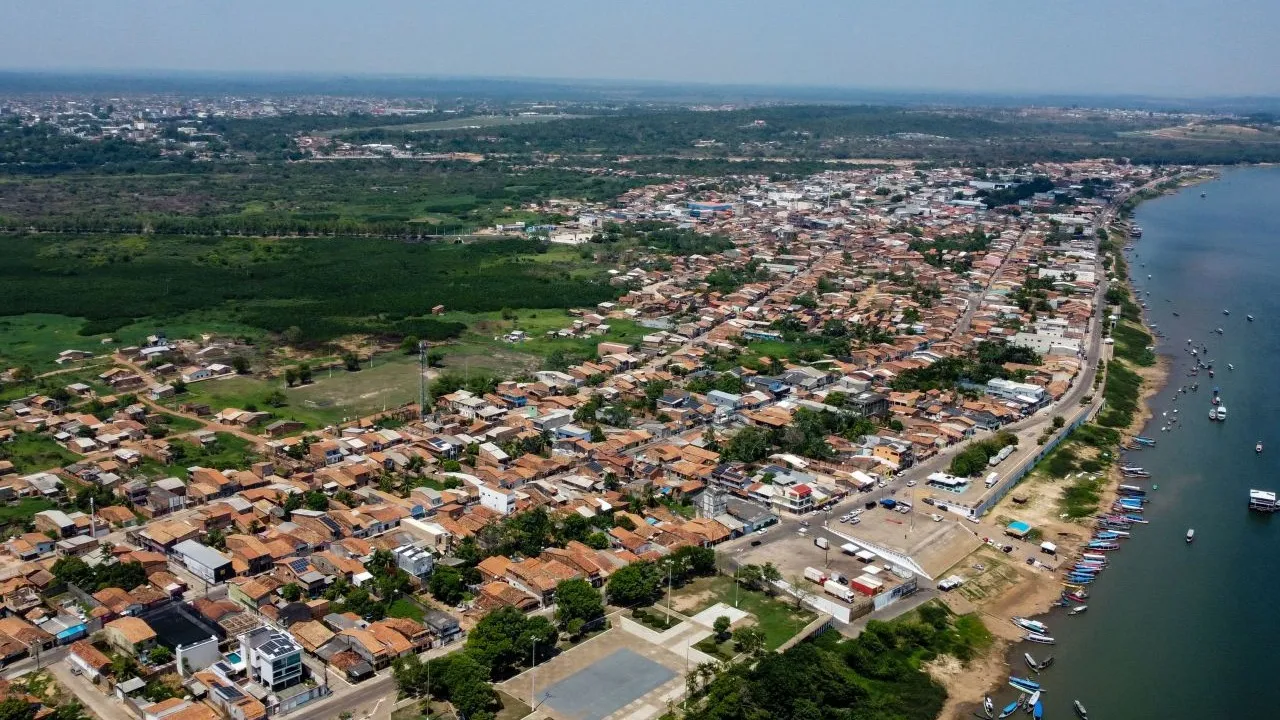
x=1036, y=592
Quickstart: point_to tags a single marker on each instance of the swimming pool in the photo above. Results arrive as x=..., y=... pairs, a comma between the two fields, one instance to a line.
x=234, y=657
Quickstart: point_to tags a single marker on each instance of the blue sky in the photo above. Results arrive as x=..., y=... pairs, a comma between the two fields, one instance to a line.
x=1170, y=47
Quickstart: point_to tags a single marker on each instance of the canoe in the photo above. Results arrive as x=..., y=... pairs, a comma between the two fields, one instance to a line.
x=1031, y=662
x=1037, y=712
x=1084, y=714
x=1038, y=638
x=1047, y=662
x=1009, y=709
x=1024, y=684
x=988, y=707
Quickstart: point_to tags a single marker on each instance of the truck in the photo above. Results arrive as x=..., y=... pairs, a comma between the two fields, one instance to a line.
x=888, y=503
x=1001, y=456
x=815, y=575
x=821, y=542
x=843, y=592
x=992, y=479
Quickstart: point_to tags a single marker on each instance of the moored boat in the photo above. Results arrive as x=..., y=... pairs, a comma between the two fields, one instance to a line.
x=1039, y=638
x=1037, y=711
x=1009, y=709
x=1078, y=609
x=1084, y=714
x=1033, y=701
x=1029, y=625
x=1047, y=662
x=1031, y=662
x=988, y=707
x=1024, y=684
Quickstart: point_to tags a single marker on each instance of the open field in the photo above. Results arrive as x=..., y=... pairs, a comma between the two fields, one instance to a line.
x=227, y=452
x=30, y=453
x=778, y=618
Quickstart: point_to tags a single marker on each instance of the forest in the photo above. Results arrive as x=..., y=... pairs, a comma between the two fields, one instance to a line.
x=311, y=290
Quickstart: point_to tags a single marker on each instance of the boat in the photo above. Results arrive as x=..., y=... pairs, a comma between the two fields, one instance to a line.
x=1037, y=711
x=1031, y=662
x=1203, y=194
x=1033, y=701
x=1263, y=501
x=1219, y=331
x=1078, y=596
x=1078, y=609
x=1024, y=684
x=1144, y=440
x=1230, y=366
x=1047, y=662
x=1213, y=413
x=1135, y=519
x=1249, y=318
x=1084, y=714
x=1226, y=312
x=1191, y=535
x=1034, y=626
x=1258, y=448
x=1039, y=638
x=988, y=707
x=1222, y=412
x=1009, y=709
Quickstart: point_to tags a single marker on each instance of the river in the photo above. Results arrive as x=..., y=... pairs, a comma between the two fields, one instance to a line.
x=1177, y=631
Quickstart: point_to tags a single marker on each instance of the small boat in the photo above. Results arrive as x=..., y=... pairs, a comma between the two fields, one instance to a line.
x=1037, y=711
x=1222, y=412
x=1258, y=448
x=1175, y=314
x=1213, y=413
x=1034, y=626
x=1084, y=714
x=1008, y=710
x=1039, y=638
x=1024, y=684
x=1078, y=609
x=1047, y=662
x=1031, y=662
x=1226, y=312
x=1078, y=596
x=1033, y=701
x=1249, y=318
x=988, y=707
x=1230, y=366
x=1191, y=535
x=1219, y=331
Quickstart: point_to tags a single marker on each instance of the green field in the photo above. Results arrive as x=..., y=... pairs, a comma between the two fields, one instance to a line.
x=228, y=452
x=779, y=619
x=474, y=121
x=22, y=511
x=30, y=453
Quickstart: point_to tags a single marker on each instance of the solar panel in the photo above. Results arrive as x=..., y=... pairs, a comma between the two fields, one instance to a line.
x=299, y=565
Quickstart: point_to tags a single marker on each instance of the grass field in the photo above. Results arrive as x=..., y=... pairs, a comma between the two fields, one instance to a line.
x=228, y=452
x=23, y=510
x=30, y=453
x=779, y=619
x=406, y=608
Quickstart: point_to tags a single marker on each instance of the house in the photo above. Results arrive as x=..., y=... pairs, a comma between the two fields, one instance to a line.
x=272, y=658
x=89, y=659
x=203, y=561
x=130, y=635
x=417, y=561
x=499, y=500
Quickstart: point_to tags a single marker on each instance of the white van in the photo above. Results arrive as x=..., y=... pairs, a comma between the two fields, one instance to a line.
x=992, y=479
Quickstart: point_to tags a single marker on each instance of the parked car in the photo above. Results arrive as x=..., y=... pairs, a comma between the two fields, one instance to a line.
x=936, y=517
x=755, y=543
x=911, y=483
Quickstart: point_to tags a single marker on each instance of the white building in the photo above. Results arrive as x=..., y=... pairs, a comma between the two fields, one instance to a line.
x=272, y=658
x=1009, y=390
x=1046, y=344
x=498, y=499
x=416, y=561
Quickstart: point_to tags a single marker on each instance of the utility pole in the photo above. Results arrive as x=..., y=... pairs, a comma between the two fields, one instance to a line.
x=423, y=389
x=668, y=593
x=735, y=583
x=533, y=675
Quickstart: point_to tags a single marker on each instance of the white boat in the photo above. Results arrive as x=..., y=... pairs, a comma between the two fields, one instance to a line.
x=1039, y=638
x=1249, y=318
x=987, y=706
x=1031, y=662
x=1219, y=331
x=1213, y=413
x=1191, y=535
x=1230, y=366
x=1258, y=447
x=1078, y=609
x=1226, y=312
x=1031, y=701
x=1034, y=626
x=1222, y=412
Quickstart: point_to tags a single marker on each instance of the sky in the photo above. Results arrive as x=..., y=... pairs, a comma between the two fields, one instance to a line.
x=1177, y=48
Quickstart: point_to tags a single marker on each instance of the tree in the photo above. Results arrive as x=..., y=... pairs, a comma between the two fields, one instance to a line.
x=292, y=335
x=304, y=374
x=748, y=639
x=721, y=627
x=160, y=655
x=505, y=639
x=577, y=600
x=241, y=364
x=750, y=444
x=18, y=708
x=350, y=361
x=317, y=501
x=291, y=376
x=446, y=585
x=634, y=584
x=597, y=435
x=179, y=386
x=1058, y=421
x=409, y=345
x=291, y=592
x=276, y=399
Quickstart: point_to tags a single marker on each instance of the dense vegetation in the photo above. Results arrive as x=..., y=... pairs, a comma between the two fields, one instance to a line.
x=986, y=363
x=876, y=676
x=308, y=290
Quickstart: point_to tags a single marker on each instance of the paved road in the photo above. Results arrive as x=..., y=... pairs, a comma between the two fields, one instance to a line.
x=104, y=706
